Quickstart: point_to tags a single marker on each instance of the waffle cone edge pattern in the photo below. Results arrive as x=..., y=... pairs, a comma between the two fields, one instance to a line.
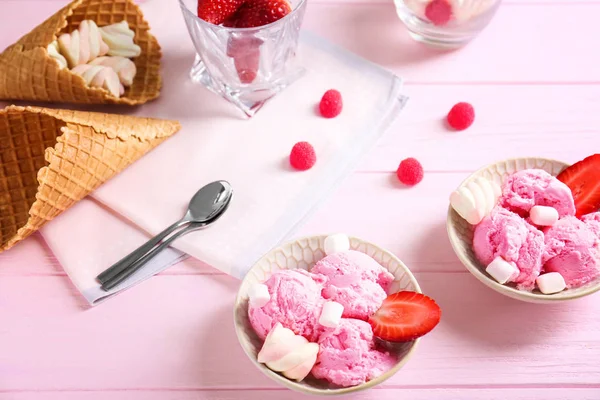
x=50, y=159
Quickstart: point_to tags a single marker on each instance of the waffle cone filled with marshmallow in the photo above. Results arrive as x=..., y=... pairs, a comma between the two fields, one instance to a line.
x=50, y=159
x=27, y=72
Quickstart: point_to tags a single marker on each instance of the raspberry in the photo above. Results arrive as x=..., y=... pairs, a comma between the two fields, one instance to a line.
x=331, y=104
x=461, y=116
x=410, y=172
x=302, y=156
x=439, y=12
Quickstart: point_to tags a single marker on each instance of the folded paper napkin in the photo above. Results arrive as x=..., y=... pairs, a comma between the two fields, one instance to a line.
x=270, y=200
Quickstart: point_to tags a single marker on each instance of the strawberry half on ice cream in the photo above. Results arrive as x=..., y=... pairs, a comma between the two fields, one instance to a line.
x=583, y=178
x=405, y=316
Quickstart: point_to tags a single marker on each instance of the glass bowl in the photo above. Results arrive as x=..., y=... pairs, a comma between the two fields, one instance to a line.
x=246, y=66
x=446, y=23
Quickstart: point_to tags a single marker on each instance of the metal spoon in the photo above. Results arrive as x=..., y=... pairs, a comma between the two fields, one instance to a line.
x=207, y=205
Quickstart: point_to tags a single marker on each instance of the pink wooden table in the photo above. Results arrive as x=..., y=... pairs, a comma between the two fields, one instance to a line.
x=534, y=79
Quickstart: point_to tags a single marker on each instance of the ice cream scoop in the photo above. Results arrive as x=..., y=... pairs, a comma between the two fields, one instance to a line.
x=100, y=76
x=119, y=38
x=124, y=67
x=295, y=302
x=593, y=222
x=54, y=52
x=284, y=351
x=348, y=355
x=535, y=187
x=356, y=281
x=573, y=250
x=507, y=235
x=83, y=44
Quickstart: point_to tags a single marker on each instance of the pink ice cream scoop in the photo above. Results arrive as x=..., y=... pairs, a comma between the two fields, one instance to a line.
x=593, y=222
x=354, y=280
x=572, y=250
x=535, y=187
x=347, y=355
x=505, y=234
x=295, y=302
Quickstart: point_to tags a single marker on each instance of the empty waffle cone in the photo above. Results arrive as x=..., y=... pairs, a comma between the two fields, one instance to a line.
x=50, y=159
x=28, y=73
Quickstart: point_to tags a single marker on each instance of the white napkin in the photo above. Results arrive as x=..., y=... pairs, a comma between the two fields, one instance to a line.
x=270, y=200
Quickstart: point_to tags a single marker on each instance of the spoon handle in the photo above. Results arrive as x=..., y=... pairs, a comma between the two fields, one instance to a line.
x=118, y=267
x=138, y=264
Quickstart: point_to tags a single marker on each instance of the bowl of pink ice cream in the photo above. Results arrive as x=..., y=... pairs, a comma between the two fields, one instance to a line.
x=513, y=225
x=301, y=315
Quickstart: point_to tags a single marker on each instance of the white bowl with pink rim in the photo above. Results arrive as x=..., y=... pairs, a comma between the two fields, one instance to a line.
x=304, y=253
x=460, y=233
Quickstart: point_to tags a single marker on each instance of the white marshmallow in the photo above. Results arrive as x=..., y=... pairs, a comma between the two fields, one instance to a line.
x=488, y=190
x=463, y=202
x=480, y=198
x=552, y=282
x=331, y=314
x=336, y=243
x=301, y=371
x=294, y=358
x=475, y=200
x=543, y=216
x=54, y=52
x=497, y=190
x=259, y=295
x=502, y=271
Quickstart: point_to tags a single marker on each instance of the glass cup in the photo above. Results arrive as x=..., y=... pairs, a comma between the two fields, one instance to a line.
x=446, y=23
x=246, y=66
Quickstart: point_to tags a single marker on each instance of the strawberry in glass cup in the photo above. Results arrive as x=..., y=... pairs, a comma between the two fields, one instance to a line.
x=244, y=50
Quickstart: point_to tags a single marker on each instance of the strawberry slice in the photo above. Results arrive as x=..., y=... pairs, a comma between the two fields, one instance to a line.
x=583, y=178
x=256, y=13
x=405, y=316
x=217, y=11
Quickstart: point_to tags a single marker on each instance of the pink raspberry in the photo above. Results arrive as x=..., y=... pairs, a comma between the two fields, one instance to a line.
x=461, y=116
x=410, y=172
x=331, y=104
x=303, y=156
x=439, y=12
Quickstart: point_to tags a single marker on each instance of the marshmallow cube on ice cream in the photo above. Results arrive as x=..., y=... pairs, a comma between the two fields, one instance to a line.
x=507, y=235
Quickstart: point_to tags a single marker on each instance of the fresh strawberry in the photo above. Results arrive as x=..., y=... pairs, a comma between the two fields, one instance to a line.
x=405, y=316
x=258, y=13
x=217, y=11
x=583, y=178
x=245, y=52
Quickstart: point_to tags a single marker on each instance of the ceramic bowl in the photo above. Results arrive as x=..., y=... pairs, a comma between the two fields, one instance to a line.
x=304, y=253
x=460, y=233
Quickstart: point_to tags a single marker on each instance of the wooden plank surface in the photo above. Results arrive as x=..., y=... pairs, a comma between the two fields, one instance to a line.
x=279, y=394
x=163, y=334
x=534, y=80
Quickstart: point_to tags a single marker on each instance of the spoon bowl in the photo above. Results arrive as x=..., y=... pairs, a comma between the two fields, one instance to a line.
x=209, y=201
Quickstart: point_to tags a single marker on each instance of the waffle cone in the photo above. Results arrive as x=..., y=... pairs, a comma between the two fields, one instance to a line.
x=53, y=158
x=27, y=72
